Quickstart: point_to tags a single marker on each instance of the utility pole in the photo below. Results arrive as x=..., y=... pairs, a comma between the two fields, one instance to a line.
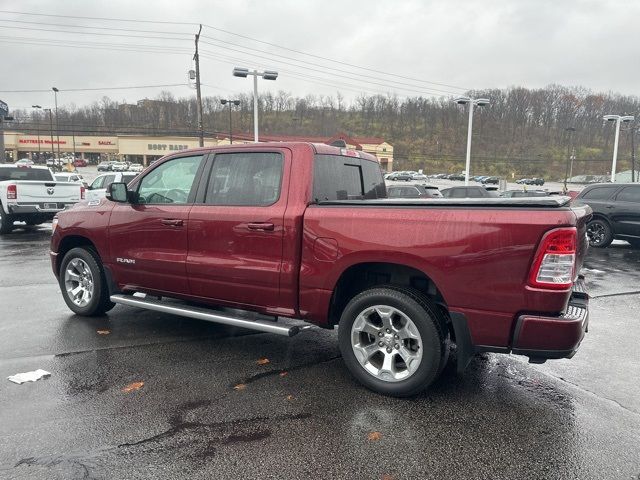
x=632, y=131
x=196, y=57
x=569, y=130
x=55, y=94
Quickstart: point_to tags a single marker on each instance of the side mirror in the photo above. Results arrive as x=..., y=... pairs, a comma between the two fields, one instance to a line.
x=117, y=192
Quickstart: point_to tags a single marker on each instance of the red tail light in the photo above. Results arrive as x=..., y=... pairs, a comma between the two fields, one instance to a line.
x=12, y=192
x=554, y=264
x=82, y=192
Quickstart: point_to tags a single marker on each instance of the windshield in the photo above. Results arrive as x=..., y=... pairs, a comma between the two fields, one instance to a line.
x=15, y=173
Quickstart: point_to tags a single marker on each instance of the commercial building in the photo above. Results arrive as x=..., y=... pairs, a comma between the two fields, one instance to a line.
x=145, y=149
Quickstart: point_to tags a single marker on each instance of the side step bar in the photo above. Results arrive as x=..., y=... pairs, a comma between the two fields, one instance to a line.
x=209, y=315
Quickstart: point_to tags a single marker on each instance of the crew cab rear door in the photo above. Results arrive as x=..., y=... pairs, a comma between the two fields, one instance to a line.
x=148, y=238
x=236, y=228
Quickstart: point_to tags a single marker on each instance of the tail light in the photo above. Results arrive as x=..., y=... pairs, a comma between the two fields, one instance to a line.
x=554, y=264
x=12, y=192
x=82, y=192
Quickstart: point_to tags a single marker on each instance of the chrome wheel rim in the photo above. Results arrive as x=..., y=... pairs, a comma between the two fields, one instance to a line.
x=78, y=282
x=386, y=343
x=596, y=233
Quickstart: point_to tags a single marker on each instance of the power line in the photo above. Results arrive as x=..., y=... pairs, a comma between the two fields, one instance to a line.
x=96, y=33
x=94, y=27
x=97, y=88
x=97, y=18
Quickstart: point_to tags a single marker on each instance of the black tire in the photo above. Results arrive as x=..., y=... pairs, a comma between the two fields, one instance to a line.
x=6, y=222
x=635, y=242
x=426, y=318
x=599, y=233
x=99, y=303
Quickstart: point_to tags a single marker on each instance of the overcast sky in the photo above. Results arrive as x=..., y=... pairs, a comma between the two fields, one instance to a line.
x=458, y=43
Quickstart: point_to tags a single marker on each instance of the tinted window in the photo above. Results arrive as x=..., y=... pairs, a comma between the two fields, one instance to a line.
x=17, y=173
x=249, y=178
x=97, y=183
x=346, y=178
x=126, y=178
x=108, y=180
x=170, y=182
x=629, y=194
x=599, y=193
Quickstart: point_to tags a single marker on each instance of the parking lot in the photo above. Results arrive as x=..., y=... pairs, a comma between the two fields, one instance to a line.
x=143, y=394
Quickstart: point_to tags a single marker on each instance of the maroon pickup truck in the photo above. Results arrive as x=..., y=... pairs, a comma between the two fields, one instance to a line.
x=251, y=235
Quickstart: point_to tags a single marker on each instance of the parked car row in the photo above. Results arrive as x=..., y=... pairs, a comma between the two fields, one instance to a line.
x=531, y=181
x=119, y=167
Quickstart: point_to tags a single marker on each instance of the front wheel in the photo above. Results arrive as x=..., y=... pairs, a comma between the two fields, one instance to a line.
x=83, y=283
x=599, y=233
x=392, y=340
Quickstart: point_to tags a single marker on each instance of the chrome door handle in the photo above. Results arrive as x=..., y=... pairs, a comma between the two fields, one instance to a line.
x=171, y=222
x=265, y=227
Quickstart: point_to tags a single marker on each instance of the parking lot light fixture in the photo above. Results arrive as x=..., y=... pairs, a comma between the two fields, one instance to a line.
x=618, y=119
x=38, y=107
x=55, y=95
x=478, y=102
x=225, y=101
x=267, y=75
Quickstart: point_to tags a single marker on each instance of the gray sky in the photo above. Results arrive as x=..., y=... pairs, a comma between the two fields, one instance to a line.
x=461, y=43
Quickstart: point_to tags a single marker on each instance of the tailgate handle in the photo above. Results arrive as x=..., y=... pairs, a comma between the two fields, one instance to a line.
x=261, y=226
x=171, y=222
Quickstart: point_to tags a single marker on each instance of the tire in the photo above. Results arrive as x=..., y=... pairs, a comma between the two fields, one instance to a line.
x=635, y=242
x=385, y=325
x=599, y=233
x=6, y=222
x=33, y=223
x=81, y=268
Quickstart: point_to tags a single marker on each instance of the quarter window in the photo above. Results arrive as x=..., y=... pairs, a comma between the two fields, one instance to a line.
x=245, y=179
x=629, y=194
x=170, y=182
x=599, y=193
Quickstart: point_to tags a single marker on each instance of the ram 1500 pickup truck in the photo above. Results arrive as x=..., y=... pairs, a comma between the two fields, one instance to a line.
x=33, y=195
x=305, y=231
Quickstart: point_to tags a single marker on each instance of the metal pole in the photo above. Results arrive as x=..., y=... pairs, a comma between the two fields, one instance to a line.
x=566, y=171
x=468, y=166
x=615, y=151
x=255, y=106
x=3, y=156
x=196, y=57
x=633, y=155
x=573, y=157
x=55, y=94
x=230, y=130
x=53, y=153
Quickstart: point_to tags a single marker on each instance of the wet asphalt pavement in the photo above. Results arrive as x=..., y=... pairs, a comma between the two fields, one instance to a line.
x=208, y=409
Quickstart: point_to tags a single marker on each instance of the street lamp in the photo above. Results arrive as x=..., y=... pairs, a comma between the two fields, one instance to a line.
x=618, y=119
x=53, y=154
x=569, y=130
x=38, y=107
x=55, y=94
x=480, y=102
x=230, y=102
x=267, y=75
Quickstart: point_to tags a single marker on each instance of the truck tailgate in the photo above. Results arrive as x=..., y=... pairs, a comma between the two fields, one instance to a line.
x=35, y=192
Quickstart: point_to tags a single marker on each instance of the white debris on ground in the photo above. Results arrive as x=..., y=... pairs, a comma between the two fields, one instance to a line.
x=21, y=378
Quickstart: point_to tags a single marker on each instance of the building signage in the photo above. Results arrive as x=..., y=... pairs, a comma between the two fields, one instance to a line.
x=106, y=142
x=34, y=141
x=4, y=109
x=165, y=146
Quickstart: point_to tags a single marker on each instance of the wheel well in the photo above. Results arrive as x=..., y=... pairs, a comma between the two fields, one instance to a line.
x=70, y=242
x=363, y=276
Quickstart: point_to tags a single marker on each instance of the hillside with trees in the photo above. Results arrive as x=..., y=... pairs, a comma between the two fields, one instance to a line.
x=522, y=133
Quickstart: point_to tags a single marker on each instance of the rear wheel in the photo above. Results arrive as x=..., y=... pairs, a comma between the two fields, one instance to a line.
x=83, y=283
x=392, y=340
x=6, y=222
x=599, y=233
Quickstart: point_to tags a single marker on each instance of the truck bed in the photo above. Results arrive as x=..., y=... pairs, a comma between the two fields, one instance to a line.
x=523, y=202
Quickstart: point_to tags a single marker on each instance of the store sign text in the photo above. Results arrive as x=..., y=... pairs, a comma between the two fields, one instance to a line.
x=45, y=141
x=164, y=146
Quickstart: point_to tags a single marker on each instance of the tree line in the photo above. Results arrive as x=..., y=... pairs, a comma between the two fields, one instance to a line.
x=523, y=131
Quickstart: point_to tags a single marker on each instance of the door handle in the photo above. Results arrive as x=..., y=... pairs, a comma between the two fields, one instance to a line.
x=608, y=206
x=171, y=222
x=265, y=227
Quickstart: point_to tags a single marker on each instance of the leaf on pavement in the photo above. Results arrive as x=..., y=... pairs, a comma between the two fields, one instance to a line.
x=240, y=386
x=388, y=477
x=290, y=397
x=263, y=361
x=374, y=436
x=284, y=373
x=132, y=387
x=103, y=332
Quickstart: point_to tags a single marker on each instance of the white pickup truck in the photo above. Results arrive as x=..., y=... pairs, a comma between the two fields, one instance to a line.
x=32, y=195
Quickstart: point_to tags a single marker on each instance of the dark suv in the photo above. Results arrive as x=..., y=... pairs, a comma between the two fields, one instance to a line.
x=616, y=213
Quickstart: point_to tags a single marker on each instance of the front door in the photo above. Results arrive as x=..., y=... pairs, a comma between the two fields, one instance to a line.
x=148, y=238
x=236, y=233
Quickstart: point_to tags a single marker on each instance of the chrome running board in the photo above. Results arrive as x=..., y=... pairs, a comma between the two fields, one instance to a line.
x=209, y=315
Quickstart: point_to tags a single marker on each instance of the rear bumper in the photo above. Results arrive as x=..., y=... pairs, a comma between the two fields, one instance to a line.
x=40, y=208
x=542, y=337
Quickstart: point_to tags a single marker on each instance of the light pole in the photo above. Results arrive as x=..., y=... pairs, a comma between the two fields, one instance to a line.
x=267, y=75
x=618, y=119
x=55, y=94
x=480, y=102
x=38, y=107
x=230, y=102
x=569, y=130
x=53, y=154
